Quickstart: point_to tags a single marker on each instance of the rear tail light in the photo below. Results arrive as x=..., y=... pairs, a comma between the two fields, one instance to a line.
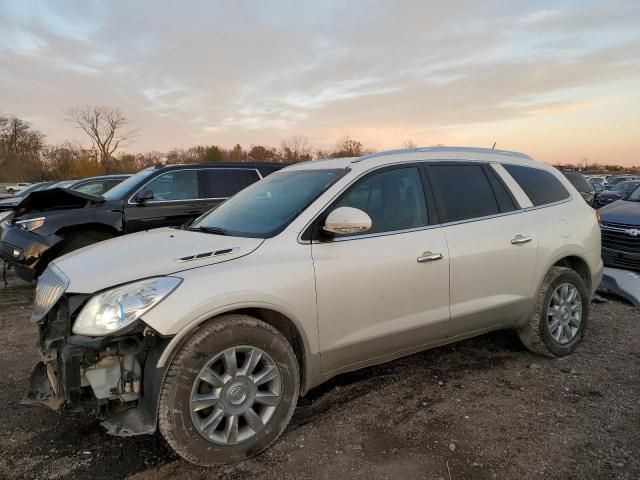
x=598, y=218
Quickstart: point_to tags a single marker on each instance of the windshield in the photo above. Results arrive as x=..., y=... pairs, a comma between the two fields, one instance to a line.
x=616, y=180
x=29, y=189
x=265, y=208
x=120, y=190
x=635, y=195
x=63, y=184
x=625, y=186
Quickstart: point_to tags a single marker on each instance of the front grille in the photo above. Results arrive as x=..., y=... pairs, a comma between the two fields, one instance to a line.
x=621, y=237
x=51, y=285
x=625, y=263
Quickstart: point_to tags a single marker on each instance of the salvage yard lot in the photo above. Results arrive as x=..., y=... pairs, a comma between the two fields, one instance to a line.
x=483, y=408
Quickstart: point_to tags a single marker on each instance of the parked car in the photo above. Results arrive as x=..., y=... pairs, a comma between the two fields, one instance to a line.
x=621, y=232
x=13, y=200
x=16, y=187
x=596, y=179
x=54, y=222
x=586, y=190
x=92, y=185
x=210, y=333
x=615, y=179
x=620, y=190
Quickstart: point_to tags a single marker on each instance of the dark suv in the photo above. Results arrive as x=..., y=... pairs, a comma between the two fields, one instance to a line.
x=53, y=222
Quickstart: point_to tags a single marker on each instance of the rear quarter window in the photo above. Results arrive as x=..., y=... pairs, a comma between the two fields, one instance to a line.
x=541, y=187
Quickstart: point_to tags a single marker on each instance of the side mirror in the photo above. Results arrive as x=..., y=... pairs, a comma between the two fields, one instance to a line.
x=144, y=195
x=347, y=220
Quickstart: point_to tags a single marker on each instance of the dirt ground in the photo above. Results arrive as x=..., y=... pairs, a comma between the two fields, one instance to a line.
x=481, y=409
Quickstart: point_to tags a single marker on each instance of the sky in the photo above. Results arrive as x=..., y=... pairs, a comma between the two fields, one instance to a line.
x=559, y=80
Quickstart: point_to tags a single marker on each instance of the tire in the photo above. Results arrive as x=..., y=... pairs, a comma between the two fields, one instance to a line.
x=11, y=191
x=178, y=424
x=538, y=335
x=75, y=241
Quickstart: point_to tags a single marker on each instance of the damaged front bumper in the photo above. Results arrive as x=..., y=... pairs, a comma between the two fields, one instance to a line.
x=114, y=378
x=25, y=250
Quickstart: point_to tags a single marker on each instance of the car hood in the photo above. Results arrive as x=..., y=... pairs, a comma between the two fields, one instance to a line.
x=9, y=203
x=621, y=211
x=163, y=251
x=55, y=199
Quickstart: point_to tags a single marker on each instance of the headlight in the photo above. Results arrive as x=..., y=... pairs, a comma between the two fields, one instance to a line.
x=5, y=215
x=116, y=309
x=30, y=224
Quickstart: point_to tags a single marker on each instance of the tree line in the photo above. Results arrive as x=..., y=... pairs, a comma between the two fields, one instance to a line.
x=25, y=156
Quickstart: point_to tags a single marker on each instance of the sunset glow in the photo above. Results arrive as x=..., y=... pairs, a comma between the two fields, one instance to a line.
x=559, y=80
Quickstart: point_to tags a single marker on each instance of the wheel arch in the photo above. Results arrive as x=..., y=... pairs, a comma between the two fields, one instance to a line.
x=578, y=265
x=282, y=321
x=86, y=227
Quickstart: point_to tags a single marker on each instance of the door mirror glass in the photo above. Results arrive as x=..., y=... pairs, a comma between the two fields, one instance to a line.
x=144, y=195
x=345, y=220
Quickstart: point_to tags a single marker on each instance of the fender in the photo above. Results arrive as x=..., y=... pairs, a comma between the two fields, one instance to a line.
x=187, y=331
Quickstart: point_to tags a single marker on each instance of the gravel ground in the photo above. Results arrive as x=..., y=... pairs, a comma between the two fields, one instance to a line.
x=483, y=408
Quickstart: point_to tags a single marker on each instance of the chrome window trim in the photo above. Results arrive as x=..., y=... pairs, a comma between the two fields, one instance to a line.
x=129, y=202
x=570, y=198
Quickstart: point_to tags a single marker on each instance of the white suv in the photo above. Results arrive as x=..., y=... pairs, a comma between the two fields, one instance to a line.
x=212, y=332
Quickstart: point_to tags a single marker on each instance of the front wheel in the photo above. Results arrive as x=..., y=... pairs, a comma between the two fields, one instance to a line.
x=229, y=392
x=561, y=314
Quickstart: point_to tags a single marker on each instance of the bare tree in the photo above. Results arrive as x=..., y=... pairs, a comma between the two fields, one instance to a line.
x=295, y=149
x=409, y=144
x=107, y=128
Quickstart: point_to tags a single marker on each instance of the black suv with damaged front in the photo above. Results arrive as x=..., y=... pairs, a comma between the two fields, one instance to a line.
x=50, y=223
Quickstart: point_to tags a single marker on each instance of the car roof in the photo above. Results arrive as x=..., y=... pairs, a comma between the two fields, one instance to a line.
x=447, y=154
x=252, y=165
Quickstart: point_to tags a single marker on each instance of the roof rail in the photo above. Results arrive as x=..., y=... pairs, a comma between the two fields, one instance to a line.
x=442, y=149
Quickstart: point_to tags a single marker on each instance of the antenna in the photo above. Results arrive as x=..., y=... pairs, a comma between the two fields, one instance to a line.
x=494, y=145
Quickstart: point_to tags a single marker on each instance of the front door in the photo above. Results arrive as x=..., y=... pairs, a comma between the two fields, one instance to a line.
x=176, y=200
x=386, y=291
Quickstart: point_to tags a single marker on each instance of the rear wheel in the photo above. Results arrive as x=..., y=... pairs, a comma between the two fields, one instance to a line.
x=561, y=314
x=229, y=392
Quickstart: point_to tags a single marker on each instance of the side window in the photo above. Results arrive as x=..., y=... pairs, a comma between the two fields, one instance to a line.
x=175, y=185
x=463, y=191
x=394, y=199
x=540, y=186
x=224, y=183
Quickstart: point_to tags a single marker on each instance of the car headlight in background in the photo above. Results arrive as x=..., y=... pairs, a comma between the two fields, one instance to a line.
x=111, y=311
x=30, y=224
x=5, y=215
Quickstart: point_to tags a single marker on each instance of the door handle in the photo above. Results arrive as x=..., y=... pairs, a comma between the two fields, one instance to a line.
x=429, y=257
x=519, y=240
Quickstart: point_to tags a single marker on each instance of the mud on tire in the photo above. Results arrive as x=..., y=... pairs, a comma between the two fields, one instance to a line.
x=536, y=334
x=217, y=336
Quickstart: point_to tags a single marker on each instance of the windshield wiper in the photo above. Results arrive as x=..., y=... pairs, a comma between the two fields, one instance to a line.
x=213, y=230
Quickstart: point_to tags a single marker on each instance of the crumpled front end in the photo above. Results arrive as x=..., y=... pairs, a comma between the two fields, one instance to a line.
x=112, y=377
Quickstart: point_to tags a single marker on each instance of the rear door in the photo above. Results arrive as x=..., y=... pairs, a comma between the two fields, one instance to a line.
x=493, y=249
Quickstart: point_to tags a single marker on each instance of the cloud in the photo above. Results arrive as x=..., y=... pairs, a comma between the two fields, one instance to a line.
x=255, y=72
